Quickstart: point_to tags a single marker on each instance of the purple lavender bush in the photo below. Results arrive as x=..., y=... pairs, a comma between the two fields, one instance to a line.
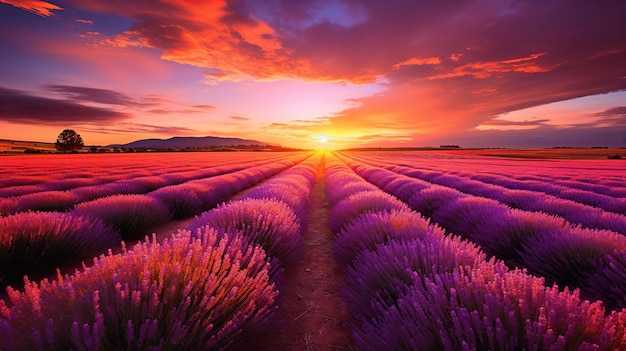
x=431, y=200
x=522, y=199
x=47, y=201
x=486, y=307
x=268, y=223
x=405, y=188
x=23, y=180
x=369, y=230
x=150, y=183
x=181, y=200
x=8, y=206
x=608, y=203
x=342, y=192
x=512, y=230
x=39, y=242
x=20, y=190
x=359, y=203
x=379, y=277
x=292, y=189
x=217, y=189
x=604, y=281
x=132, y=215
x=88, y=193
x=572, y=254
x=470, y=214
x=70, y=183
x=208, y=292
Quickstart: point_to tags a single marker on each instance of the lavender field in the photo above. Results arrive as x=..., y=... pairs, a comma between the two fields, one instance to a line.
x=435, y=251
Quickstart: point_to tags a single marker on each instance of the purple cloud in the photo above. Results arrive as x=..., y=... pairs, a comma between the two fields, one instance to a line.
x=20, y=107
x=86, y=94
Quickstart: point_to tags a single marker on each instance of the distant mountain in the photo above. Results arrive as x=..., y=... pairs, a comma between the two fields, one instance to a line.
x=181, y=142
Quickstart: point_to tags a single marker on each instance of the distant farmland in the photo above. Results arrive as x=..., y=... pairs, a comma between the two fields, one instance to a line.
x=16, y=146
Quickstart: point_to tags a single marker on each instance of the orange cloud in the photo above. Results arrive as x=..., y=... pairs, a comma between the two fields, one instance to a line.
x=418, y=61
x=40, y=8
x=229, y=44
x=483, y=70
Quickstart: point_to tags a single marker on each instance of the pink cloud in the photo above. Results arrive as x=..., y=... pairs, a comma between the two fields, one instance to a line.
x=239, y=118
x=40, y=8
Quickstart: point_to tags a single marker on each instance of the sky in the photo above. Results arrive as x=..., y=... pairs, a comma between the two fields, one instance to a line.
x=317, y=73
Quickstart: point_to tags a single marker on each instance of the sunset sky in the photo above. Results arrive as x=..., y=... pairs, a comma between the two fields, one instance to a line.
x=477, y=73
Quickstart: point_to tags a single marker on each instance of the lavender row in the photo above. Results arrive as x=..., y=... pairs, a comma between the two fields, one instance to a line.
x=546, y=245
x=138, y=182
x=586, y=215
x=587, y=194
x=135, y=215
x=36, y=243
x=40, y=199
x=54, y=171
x=552, y=177
x=611, y=198
x=270, y=214
x=410, y=287
x=206, y=291
x=554, y=186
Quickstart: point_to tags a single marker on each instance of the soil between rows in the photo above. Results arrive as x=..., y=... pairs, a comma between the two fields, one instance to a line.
x=313, y=311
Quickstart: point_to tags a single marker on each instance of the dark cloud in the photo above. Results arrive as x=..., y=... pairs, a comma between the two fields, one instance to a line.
x=86, y=94
x=124, y=128
x=500, y=122
x=544, y=136
x=615, y=116
x=20, y=107
x=111, y=97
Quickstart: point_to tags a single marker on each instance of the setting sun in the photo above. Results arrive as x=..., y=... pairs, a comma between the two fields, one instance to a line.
x=322, y=139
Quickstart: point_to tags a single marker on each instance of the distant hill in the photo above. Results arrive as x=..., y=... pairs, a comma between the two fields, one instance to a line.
x=182, y=142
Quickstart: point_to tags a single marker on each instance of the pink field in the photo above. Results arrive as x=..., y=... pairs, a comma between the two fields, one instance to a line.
x=389, y=250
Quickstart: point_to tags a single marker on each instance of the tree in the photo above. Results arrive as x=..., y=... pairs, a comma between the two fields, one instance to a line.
x=69, y=140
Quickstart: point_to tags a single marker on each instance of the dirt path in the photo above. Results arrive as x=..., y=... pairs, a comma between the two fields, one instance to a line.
x=314, y=312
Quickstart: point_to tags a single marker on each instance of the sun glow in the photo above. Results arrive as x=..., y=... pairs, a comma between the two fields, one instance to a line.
x=322, y=141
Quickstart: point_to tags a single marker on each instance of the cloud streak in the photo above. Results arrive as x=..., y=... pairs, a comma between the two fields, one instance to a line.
x=239, y=118
x=39, y=8
x=20, y=107
x=87, y=94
